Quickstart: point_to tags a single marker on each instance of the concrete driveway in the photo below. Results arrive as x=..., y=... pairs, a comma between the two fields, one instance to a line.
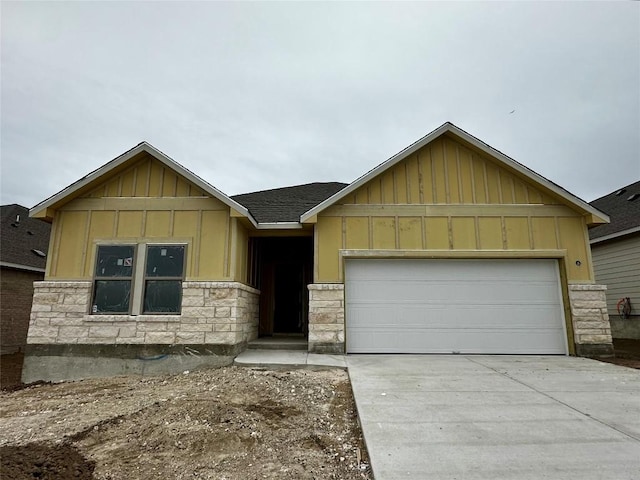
x=497, y=417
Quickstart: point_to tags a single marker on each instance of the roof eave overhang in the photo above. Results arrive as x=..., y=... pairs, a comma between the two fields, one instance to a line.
x=46, y=208
x=17, y=266
x=280, y=226
x=615, y=235
x=592, y=214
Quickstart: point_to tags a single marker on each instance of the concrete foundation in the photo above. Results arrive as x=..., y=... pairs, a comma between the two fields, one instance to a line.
x=75, y=362
x=625, y=327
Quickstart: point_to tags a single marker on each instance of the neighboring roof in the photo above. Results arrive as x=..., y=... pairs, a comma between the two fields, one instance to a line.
x=451, y=129
x=288, y=203
x=20, y=236
x=68, y=193
x=623, y=207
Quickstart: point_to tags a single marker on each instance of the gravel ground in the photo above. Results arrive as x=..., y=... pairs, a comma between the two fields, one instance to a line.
x=230, y=423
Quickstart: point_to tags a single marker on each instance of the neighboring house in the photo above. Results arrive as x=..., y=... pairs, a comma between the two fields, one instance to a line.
x=448, y=246
x=23, y=247
x=616, y=257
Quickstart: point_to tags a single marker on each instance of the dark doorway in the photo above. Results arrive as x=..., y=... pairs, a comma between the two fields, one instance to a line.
x=282, y=267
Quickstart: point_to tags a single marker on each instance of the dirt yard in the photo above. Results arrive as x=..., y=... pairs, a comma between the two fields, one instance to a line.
x=230, y=423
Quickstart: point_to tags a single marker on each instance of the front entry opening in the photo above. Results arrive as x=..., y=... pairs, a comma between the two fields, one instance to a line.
x=282, y=267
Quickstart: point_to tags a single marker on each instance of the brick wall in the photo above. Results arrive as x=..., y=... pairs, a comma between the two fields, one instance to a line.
x=16, y=295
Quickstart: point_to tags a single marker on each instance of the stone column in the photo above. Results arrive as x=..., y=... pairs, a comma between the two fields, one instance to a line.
x=591, y=329
x=326, y=318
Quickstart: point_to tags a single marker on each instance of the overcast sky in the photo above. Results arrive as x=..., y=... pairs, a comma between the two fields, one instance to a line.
x=252, y=96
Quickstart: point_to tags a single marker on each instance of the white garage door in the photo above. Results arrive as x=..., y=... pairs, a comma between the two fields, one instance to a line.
x=454, y=306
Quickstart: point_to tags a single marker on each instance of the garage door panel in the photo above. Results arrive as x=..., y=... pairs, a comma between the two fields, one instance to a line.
x=414, y=340
x=400, y=291
x=418, y=306
x=469, y=316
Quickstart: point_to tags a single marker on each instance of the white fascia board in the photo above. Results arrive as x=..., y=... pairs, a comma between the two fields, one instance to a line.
x=615, y=235
x=451, y=128
x=21, y=267
x=168, y=161
x=280, y=226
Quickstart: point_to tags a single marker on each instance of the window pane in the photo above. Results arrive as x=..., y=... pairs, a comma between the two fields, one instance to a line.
x=115, y=261
x=111, y=296
x=162, y=296
x=165, y=261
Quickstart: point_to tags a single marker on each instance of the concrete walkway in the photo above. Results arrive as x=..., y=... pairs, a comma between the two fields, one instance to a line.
x=288, y=358
x=497, y=417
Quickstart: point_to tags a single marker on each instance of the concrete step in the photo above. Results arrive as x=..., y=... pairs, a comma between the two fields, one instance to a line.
x=279, y=343
x=288, y=358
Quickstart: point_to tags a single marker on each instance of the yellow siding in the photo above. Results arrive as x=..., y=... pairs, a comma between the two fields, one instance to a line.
x=490, y=233
x=146, y=177
x=155, y=179
x=572, y=238
x=71, y=249
x=101, y=225
x=158, y=224
x=447, y=196
x=142, y=179
x=128, y=181
x=242, y=252
x=466, y=177
x=329, y=242
x=384, y=233
x=451, y=174
x=544, y=232
x=357, y=232
x=517, y=230
x=185, y=226
x=400, y=183
x=437, y=171
x=213, y=241
x=130, y=224
x=414, y=180
x=437, y=233
x=387, y=188
x=410, y=233
x=463, y=233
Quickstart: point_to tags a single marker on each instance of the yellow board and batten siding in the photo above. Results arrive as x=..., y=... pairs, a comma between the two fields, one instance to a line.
x=446, y=196
x=148, y=203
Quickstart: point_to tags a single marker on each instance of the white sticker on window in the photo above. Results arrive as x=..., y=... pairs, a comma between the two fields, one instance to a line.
x=128, y=262
x=120, y=262
x=95, y=309
x=163, y=252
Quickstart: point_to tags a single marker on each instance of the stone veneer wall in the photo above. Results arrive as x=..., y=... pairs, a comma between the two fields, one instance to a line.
x=591, y=328
x=213, y=313
x=326, y=318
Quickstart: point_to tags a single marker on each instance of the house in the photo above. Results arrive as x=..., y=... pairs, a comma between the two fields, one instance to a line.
x=615, y=249
x=448, y=246
x=23, y=246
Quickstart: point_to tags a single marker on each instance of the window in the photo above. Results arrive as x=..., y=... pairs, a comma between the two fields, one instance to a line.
x=124, y=285
x=163, y=278
x=114, y=273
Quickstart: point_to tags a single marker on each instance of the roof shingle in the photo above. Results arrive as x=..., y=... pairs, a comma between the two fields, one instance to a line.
x=20, y=235
x=288, y=203
x=624, y=213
